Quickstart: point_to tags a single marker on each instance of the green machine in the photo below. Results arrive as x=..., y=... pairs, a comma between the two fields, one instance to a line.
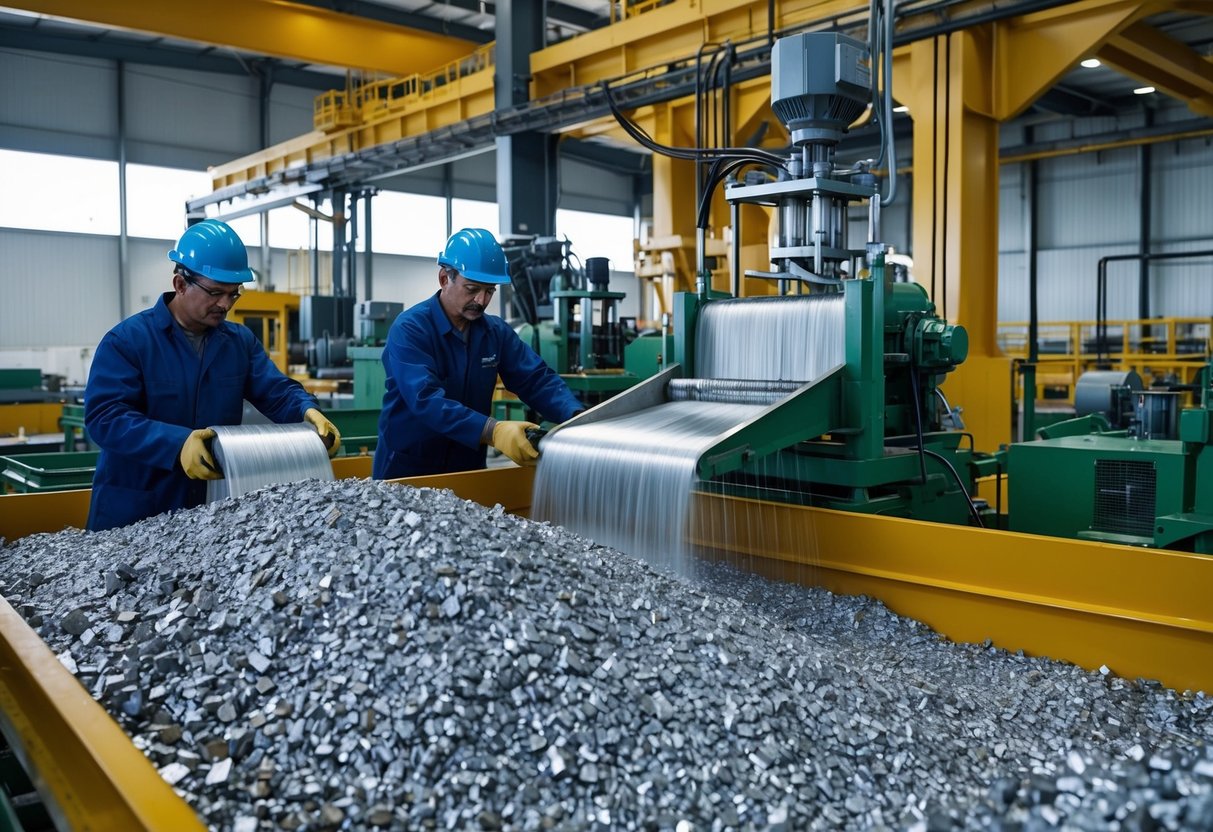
x=569, y=315
x=871, y=434
x=1147, y=484
x=372, y=320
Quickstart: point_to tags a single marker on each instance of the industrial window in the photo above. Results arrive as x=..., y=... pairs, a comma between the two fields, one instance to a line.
x=407, y=224
x=155, y=203
x=58, y=193
x=290, y=228
x=472, y=213
x=598, y=235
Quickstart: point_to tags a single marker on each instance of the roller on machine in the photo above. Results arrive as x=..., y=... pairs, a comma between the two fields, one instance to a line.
x=852, y=415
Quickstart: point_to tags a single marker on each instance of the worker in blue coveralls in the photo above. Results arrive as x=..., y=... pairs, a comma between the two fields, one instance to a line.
x=162, y=377
x=442, y=359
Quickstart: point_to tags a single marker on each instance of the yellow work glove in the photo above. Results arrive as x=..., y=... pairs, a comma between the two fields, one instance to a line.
x=327, y=430
x=196, y=459
x=510, y=439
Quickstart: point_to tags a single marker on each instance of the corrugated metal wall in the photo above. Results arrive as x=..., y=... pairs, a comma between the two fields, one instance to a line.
x=1089, y=208
x=60, y=289
x=57, y=288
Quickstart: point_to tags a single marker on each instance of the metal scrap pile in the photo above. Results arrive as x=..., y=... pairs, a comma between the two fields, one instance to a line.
x=357, y=655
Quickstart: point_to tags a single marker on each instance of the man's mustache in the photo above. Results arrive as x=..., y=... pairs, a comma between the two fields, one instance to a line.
x=473, y=307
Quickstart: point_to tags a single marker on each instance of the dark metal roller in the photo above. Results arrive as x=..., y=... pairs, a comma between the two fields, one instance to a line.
x=730, y=390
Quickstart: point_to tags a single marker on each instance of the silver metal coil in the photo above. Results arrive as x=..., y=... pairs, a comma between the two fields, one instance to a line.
x=254, y=456
x=730, y=390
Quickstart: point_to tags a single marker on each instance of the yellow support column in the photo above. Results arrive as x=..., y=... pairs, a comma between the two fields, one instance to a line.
x=945, y=81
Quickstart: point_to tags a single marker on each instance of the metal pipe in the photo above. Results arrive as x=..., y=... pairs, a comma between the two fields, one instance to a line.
x=735, y=252
x=1101, y=288
x=1028, y=368
x=369, y=257
x=123, y=237
x=351, y=247
x=1143, y=230
x=314, y=228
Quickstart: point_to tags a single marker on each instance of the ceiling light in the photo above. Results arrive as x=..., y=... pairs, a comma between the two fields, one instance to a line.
x=901, y=109
x=1090, y=63
x=1143, y=90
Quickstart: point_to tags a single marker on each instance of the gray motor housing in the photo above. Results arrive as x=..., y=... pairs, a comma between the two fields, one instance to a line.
x=820, y=83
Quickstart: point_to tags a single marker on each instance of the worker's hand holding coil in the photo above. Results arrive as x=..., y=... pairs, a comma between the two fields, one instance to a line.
x=510, y=438
x=196, y=458
x=327, y=430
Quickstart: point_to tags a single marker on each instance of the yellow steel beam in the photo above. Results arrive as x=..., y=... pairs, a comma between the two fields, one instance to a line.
x=673, y=31
x=272, y=27
x=945, y=82
x=644, y=41
x=1141, y=612
x=1032, y=52
x=449, y=103
x=84, y=765
x=1157, y=59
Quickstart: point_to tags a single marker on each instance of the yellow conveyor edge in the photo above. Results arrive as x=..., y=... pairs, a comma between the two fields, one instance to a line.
x=1140, y=612
x=88, y=772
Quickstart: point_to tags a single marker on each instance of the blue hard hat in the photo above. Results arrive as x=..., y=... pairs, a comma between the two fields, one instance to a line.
x=212, y=249
x=475, y=254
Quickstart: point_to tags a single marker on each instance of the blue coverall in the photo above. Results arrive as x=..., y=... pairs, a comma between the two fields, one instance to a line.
x=148, y=389
x=439, y=390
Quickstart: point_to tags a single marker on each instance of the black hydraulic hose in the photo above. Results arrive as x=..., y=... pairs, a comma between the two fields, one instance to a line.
x=947, y=149
x=687, y=153
x=726, y=90
x=959, y=484
x=720, y=169
x=886, y=123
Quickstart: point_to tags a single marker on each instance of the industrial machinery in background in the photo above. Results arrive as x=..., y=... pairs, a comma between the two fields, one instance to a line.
x=1131, y=468
x=372, y=320
x=867, y=434
x=326, y=327
x=566, y=311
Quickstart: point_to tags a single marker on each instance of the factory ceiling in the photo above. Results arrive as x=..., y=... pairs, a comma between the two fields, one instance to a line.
x=128, y=31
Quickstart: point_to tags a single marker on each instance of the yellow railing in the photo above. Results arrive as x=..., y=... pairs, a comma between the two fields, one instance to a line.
x=1154, y=348
x=364, y=100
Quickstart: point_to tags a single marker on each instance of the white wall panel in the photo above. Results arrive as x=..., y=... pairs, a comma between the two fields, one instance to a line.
x=217, y=115
x=1012, y=208
x=57, y=104
x=1012, y=287
x=1183, y=191
x=291, y=110
x=1183, y=288
x=58, y=289
x=1066, y=284
x=1089, y=199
